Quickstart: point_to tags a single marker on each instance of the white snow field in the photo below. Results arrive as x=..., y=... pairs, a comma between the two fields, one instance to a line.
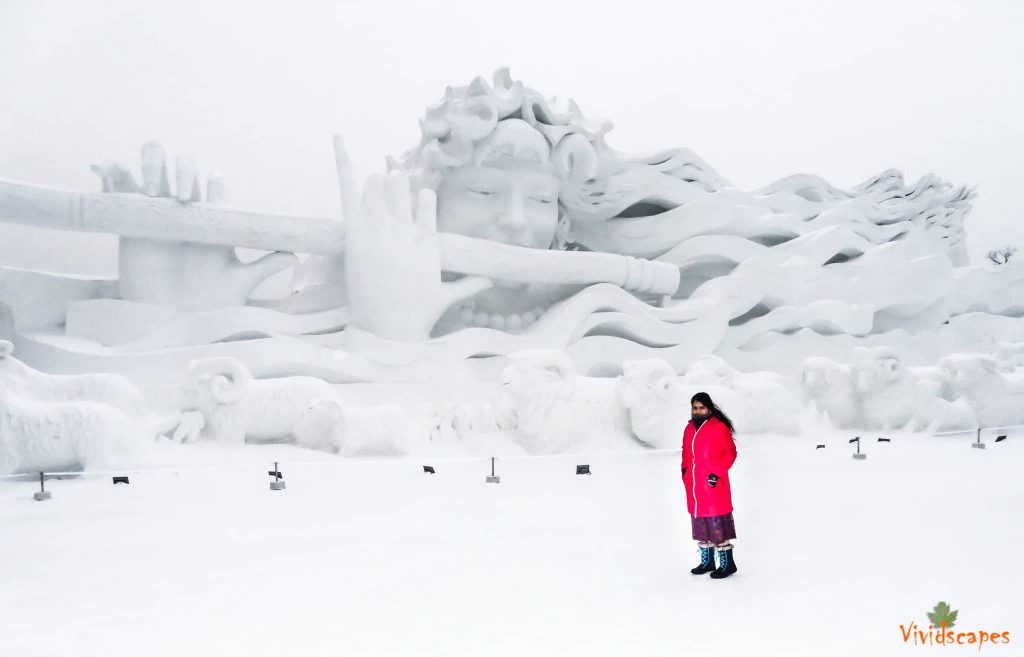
x=375, y=557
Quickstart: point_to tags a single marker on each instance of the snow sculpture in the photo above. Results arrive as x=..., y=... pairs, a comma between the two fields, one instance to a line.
x=756, y=402
x=997, y=397
x=237, y=408
x=878, y=392
x=380, y=430
x=658, y=408
x=111, y=389
x=37, y=435
x=829, y=387
x=180, y=274
x=556, y=409
x=891, y=396
x=512, y=225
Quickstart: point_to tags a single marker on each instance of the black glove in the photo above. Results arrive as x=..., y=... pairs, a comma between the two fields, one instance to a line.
x=712, y=479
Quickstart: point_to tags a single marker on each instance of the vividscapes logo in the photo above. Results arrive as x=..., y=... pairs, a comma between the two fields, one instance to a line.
x=940, y=633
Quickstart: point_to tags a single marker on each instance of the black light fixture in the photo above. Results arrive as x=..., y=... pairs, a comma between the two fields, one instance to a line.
x=278, y=483
x=582, y=469
x=820, y=446
x=429, y=469
x=884, y=440
x=120, y=480
x=1000, y=439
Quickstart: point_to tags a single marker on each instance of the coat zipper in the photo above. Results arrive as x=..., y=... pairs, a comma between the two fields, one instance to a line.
x=693, y=452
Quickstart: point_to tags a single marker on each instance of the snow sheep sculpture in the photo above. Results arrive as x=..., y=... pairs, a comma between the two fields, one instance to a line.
x=381, y=430
x=236, y=407
x=657, y=407
x=555, y=409
x=829, y=386
x=996, y=397
x=890, y=396
x=37, y=436
x=111, y=389
x=755, y=401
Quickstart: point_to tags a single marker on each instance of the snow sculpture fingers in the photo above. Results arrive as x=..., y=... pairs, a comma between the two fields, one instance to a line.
x=392, y=258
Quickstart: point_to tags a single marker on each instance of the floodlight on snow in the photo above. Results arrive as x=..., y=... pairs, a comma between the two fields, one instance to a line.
x=493, y=478
x=820, y=446
x=278, y=483
x=857, y=455
x=978, y=444
x=582, y=469
x=1000, y=439
x=120, y=480
x=884, y=440
x=42, y=493
x=429, y=469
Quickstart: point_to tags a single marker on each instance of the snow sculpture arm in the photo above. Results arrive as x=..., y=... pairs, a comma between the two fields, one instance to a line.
x=180, y=274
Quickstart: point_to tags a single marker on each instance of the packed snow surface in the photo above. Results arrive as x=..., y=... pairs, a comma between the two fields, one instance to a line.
x=375, y=557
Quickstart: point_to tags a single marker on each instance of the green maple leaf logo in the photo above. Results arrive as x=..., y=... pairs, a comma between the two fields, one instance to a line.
x=942, y=615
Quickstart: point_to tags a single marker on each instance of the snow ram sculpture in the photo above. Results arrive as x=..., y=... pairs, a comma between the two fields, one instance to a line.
x=236, y=407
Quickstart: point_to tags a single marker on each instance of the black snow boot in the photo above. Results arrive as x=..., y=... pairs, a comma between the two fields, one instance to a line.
x=726, y=564
x=707, y=561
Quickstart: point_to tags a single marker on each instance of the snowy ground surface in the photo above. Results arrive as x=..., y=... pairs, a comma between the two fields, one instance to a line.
x=377, y=558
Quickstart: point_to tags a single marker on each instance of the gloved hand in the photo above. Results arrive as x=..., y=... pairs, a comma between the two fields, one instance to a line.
x=712, y=479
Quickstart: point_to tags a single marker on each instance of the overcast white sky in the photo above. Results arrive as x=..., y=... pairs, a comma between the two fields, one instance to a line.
x=759, y=89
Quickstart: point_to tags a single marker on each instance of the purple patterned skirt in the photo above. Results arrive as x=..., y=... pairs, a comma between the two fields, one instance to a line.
x=714, y=529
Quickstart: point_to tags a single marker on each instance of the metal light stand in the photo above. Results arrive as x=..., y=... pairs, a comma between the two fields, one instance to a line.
x=278, y=483
x=492, y=478
x=42, y=493
x=978, y=444
x=857, y=455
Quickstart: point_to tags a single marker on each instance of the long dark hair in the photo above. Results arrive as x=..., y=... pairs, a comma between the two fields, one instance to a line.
x=705, y=399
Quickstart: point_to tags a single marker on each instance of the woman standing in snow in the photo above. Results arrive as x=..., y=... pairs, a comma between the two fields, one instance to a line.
x=709, y=450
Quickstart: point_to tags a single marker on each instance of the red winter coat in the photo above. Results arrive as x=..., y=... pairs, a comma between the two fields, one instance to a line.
x=706, y=450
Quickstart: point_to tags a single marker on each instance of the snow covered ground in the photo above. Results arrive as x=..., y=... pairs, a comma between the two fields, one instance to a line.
x=362, y=557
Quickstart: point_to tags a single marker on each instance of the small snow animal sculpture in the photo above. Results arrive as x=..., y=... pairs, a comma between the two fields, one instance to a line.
x=111, y=389
x=556, y=409
x=36, y=436
x=381, y=430
x=996, y=397
x=892, y=397
x=236, y=407
x=657, y=408
x=829, y=386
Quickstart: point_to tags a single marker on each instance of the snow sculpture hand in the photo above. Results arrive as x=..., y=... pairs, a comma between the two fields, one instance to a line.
x=392, y=257
x=175, y=274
